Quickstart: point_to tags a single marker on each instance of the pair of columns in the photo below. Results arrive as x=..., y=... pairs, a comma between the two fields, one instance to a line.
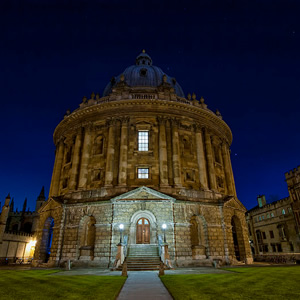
x=83, y=144
x=205, y=159
x=210, y=143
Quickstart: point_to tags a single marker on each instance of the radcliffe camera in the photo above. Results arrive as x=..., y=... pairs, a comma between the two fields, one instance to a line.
x=145, y=168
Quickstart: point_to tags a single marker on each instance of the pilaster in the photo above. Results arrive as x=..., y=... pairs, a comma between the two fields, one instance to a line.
x=123, y=152
x=76, y=161
x=163, y=157
x=201, y=158
x=210, y=161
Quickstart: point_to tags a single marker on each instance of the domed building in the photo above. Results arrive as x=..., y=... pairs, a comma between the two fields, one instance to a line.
x=142, y=170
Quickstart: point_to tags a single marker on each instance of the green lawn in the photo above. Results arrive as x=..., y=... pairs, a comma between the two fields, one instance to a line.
x=40, y=284
x=240, y=283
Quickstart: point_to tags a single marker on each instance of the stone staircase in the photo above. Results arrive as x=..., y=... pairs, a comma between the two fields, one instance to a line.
x=142, y=257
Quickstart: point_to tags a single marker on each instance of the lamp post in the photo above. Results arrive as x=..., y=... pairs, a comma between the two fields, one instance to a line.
x=121, y=227
x=164, y=227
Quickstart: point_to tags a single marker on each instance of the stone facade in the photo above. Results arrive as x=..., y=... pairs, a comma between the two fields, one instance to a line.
x=106, y=174
x=274, y=228
x=17, y=230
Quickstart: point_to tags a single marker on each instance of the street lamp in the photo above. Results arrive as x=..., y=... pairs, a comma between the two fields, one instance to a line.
x=164, y=227
x=121, y=227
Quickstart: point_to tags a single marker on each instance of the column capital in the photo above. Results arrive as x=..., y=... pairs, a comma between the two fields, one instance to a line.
x=111, y=122
x=175, y=122
x=197, y=127
x=161, y=120
x=124, y=120
x=215, y=140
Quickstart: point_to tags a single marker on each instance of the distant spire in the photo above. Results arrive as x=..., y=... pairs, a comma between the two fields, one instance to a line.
x=12, y=203
x=24, y=205
x=42, y=193
x=41, y=196
x=7, y=200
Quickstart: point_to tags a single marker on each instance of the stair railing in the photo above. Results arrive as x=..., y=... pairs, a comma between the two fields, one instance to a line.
x=161, y=248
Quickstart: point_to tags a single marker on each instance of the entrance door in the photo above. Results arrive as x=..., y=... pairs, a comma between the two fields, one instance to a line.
x=143, y=231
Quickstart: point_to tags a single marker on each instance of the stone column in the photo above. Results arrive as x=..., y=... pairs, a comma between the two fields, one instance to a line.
x=210, y=162
x=123, y=152
x=226, y=166
x=59, y=157
x=176, y=154
x=75, y=162
x=86, y=147
x=227, y=160
x=163, y=158
x=109, y=169
x=201, y=158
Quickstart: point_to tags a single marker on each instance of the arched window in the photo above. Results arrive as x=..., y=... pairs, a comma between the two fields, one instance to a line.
x=15, y=227
x=27, y=227
x=283, y=211
x=68, y=154
x=217, y=154
x=194, y=232
x=98, y=145
x=89, y=232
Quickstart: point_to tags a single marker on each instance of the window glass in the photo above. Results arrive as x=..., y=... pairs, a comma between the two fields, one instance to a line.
x=283, y=211
x=143, y=173
x=143, y=140
x=146, y=222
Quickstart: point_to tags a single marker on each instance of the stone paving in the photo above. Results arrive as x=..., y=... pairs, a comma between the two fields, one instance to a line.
x=143, y=285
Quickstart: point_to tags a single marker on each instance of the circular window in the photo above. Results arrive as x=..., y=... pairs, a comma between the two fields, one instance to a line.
x=143, y=72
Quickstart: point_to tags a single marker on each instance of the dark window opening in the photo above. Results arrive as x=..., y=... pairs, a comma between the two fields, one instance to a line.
x=143, y=72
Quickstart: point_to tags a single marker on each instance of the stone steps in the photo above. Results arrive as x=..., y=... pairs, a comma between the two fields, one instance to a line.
x=142, y=258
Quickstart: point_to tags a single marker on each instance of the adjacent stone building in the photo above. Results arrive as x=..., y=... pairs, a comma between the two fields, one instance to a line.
x=142, y=155
x=274, y=227
x=17, y=230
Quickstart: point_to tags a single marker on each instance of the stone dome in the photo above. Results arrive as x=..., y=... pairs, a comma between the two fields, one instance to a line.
x=143, y=74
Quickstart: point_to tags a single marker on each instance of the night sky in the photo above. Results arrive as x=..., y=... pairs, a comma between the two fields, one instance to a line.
x=243, y=57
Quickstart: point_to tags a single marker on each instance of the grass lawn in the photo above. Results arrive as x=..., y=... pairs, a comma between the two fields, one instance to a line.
x=240, y=283
x=39, y=284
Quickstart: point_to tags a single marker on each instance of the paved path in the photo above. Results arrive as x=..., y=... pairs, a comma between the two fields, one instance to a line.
x=144, y=285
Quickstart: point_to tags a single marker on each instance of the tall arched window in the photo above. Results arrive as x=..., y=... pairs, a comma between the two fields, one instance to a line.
x=98, y=145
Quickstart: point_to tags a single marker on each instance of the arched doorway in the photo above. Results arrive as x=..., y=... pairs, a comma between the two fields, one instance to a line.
x=46, y=243
x=235, y=241
x=238, y=239
x=143, y=231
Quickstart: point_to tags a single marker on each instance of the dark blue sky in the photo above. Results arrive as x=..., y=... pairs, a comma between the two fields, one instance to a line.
x=243, y=57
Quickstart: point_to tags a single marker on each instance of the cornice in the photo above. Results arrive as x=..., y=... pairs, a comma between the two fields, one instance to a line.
x=202, y=117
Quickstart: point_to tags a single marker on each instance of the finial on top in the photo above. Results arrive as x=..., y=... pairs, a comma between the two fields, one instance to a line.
x=144, y=51
x=218, y=114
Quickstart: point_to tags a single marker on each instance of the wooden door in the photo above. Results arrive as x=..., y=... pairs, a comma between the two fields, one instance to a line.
x=143, y=231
